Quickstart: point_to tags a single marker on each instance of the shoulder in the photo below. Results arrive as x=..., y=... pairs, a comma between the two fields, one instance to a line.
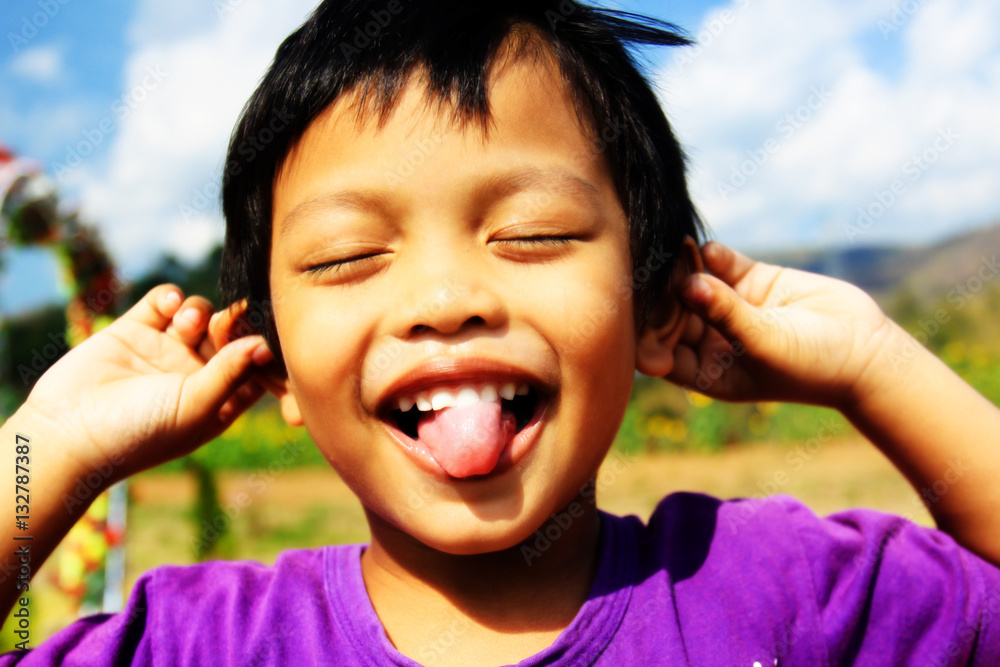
x=242, y=578
x=211, y=613
x=692, y=529
x=225, y=599
x=867, y=583
x=710, y=568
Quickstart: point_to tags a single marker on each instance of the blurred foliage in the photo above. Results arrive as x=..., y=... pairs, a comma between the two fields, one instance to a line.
x=663, y=417
x=34, y=342
x=201, y=279
x=259, y=439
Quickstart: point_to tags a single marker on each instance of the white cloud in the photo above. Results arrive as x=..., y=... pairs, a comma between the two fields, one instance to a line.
x=42, y=64
x=185, y=85
x=775, y=165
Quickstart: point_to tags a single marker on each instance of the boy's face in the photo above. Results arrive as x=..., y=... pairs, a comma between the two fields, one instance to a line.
x=448, y=297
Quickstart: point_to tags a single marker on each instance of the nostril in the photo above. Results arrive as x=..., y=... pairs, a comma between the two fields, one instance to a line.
x=474, y=321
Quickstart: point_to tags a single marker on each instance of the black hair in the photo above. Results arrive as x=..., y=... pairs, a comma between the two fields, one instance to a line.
x=376, y=44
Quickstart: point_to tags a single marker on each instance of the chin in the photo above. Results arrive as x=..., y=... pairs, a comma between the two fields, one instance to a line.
x=461, y=532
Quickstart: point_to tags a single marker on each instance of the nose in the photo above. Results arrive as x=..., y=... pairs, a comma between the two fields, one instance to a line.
x=451, y=295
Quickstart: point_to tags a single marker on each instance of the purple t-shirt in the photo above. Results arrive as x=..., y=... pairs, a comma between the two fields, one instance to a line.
x=706, y=582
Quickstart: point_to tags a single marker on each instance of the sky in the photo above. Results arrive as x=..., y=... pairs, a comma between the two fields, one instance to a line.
x=808, y=123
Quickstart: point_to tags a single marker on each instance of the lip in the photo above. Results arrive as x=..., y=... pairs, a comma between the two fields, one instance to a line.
x=513, y=453
x=444, y=372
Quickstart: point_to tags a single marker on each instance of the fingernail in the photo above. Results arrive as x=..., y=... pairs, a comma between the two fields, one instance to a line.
x=192, y=315
x=261, y=354
x=172, y=300
x=698, y=290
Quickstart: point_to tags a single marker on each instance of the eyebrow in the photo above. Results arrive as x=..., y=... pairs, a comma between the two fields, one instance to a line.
x=496, y=187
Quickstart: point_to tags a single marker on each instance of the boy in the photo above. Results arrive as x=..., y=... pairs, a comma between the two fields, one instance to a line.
x=464, y=331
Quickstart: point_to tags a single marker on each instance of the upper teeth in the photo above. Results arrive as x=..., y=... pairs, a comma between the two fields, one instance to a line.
x=438, y=399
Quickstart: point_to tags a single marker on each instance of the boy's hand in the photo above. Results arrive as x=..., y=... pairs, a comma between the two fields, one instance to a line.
x=762, y=332
x=148, y=388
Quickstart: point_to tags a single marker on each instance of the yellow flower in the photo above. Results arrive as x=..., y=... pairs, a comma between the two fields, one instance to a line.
x=674, y=430
x=698, y=400
x=768, y=409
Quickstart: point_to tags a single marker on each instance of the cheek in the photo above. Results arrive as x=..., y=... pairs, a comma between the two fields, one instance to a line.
x=592, y=312
x=321, y=352
x=591, y=326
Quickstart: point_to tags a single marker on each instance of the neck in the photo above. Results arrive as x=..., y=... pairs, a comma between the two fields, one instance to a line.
x=524, y=596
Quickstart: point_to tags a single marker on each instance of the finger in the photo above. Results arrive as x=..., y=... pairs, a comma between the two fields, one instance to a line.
x=693, y=330
x=229, y=324
x=685, y=366
x=721, y=307
x=156, y=308
x=729, y=265
x=240, y=402
x=190, y=321
x=208, y=389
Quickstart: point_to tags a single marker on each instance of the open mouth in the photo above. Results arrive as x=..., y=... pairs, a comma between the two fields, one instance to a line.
x=470, y=429
x=521, y=406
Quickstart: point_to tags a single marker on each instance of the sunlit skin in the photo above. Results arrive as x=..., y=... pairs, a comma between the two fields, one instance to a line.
x=461, y=264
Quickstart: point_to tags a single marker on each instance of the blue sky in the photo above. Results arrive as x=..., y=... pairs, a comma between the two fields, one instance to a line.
x=797, y=116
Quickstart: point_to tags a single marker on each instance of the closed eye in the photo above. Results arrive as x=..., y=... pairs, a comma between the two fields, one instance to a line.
x=539, y=240
x=354, y=263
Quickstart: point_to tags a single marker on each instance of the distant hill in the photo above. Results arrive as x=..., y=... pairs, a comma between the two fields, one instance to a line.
x=928, y=271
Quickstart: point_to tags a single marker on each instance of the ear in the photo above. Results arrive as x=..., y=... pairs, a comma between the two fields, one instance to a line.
x=654, y=354
x=232, y=323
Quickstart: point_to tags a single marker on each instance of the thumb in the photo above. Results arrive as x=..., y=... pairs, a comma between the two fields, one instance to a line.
x=210, y=387
x=722, y=308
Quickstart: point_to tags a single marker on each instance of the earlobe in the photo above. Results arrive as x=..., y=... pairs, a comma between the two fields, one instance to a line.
x=290, y=407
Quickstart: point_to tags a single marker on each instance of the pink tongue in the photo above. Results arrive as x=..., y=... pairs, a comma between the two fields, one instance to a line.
x=468, y=440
